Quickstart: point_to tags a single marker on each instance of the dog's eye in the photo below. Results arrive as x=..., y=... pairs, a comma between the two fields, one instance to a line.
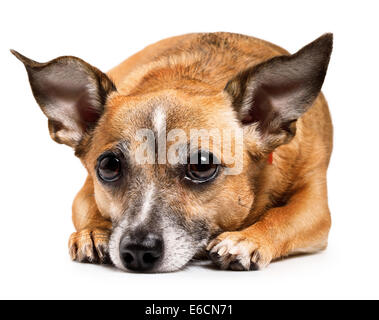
x=109, y=168
x=204, y=169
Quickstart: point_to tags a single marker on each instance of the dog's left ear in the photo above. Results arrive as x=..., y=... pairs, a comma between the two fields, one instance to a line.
x=275, y=93
x=71, y=93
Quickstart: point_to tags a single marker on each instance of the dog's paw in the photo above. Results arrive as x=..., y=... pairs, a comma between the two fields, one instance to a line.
x=238, y=251
x=90, y=245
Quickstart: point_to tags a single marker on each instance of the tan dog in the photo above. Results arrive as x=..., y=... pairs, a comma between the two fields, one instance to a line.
x=157, y=216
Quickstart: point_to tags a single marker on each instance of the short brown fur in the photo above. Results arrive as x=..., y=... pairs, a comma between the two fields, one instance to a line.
x=277, y=210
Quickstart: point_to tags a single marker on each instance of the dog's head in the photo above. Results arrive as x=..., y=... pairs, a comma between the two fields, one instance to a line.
x=173, y=168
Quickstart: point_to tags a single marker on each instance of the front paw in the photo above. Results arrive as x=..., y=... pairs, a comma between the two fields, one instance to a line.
x=90, y=245
x=239, y=251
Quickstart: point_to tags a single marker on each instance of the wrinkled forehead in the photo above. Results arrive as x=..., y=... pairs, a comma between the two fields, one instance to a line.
x=173, y=110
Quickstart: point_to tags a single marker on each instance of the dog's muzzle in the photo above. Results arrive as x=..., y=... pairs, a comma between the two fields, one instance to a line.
x=163, y=243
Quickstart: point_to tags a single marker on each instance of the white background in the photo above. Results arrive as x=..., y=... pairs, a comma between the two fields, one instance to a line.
x=39, y=178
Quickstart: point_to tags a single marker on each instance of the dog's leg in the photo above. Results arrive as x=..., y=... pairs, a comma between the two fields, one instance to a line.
x=90, y=242
x=301, y=226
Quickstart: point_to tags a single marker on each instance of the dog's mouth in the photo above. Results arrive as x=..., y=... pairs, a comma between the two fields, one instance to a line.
x=166, y=249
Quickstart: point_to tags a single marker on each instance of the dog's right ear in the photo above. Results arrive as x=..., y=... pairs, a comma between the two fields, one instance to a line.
x=71, y=93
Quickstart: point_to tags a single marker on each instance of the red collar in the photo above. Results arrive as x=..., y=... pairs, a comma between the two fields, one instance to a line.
x=270, y=158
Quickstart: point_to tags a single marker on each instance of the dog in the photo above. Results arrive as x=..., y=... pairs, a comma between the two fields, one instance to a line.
x=157, y=215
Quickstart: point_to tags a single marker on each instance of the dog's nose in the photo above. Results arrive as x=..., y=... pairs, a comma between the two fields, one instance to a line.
x=142, y=252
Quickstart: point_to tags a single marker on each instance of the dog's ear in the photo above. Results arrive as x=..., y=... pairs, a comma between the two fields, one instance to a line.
x=275, y=93
x=71, y=93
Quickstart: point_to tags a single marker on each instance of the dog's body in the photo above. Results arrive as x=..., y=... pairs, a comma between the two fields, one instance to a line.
x=268, y=211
